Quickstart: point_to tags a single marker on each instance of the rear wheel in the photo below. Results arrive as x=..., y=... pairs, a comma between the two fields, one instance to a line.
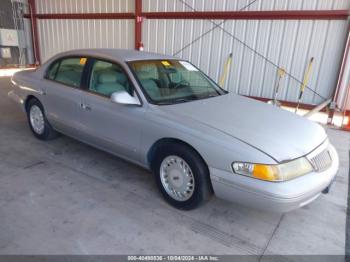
x=38, y=123
x=181, y=176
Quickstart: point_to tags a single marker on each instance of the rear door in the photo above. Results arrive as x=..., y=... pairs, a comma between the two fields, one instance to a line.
x=113, y=127
x=63, y=94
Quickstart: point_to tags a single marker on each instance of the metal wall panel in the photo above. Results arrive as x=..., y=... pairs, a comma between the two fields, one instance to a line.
x=287, y=43
x=290, y=44
x=84, y=6
x=233, y=5
x=58, y=35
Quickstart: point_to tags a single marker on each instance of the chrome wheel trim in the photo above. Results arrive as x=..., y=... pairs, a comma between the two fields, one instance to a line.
x=177, y=178
x=36, y=117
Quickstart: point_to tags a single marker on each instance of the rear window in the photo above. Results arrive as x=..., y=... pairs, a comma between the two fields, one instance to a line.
x=51, y=73
x=68, y=71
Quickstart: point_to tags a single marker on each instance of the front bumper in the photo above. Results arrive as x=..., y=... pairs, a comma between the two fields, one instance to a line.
x=273, y=196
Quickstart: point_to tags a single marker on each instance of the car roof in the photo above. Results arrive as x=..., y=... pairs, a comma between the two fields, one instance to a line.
x=118, y=54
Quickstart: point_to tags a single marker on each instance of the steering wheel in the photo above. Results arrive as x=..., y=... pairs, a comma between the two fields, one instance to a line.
x=181, y=83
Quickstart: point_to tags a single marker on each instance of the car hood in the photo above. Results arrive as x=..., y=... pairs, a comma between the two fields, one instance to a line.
x=277, y=132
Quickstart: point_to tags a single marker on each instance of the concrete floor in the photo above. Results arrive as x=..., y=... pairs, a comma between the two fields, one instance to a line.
x=64, y=197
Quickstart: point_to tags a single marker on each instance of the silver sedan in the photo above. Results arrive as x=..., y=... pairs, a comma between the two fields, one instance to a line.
x=164, y=114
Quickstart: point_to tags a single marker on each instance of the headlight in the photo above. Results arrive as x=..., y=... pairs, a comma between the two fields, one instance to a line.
x=281, y=172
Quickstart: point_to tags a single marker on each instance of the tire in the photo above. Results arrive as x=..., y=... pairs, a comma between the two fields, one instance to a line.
x=37, y=121
x=197, y=174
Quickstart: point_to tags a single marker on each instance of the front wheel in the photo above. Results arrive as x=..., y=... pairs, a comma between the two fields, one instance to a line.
x=38, y=123
x=182, y=176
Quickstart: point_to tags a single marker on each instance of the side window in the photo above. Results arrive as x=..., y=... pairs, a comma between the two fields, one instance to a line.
x=51, y=73
x=107, y=78
x=69, y=71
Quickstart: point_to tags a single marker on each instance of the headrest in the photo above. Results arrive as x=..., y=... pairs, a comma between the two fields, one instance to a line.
x=107, y=77
x=121, y=78
x=144, y=74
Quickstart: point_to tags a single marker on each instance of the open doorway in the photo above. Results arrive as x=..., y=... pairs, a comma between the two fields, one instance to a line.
x=15, y=35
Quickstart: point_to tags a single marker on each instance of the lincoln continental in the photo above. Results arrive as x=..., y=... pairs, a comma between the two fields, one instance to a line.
x=166, y=115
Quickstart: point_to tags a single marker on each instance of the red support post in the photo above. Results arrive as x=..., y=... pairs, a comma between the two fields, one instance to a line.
x=138, y=25
x=35, y=37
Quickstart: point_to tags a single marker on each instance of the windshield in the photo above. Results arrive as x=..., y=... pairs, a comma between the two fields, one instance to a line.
x=173, y=81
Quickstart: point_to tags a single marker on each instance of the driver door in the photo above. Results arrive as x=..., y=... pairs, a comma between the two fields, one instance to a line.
x=108, y=125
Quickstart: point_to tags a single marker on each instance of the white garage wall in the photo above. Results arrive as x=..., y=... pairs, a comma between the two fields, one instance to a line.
x=290, y=44
x=84, y=6
x=58, y=35
x=234, y=5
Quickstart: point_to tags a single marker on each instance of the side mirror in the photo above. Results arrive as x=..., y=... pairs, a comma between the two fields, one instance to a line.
x=124, y=98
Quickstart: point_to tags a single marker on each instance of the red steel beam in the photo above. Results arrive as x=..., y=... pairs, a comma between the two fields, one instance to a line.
x=226, y=15
x=138, y=24
x=35, y=37
x=254, y=15
x=84, y=16
x=287, y=103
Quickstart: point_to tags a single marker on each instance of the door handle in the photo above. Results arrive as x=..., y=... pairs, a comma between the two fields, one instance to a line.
x=85, y=107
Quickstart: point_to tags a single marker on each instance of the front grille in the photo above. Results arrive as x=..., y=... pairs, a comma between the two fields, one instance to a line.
x=321, y=161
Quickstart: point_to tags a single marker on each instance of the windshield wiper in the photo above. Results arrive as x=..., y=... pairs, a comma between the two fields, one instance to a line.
x=178, y=100
x=185, y=99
